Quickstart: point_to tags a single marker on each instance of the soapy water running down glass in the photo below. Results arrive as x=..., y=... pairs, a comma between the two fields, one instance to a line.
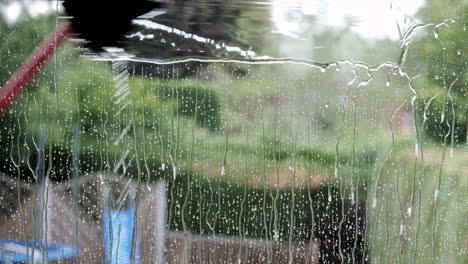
x=241, y=132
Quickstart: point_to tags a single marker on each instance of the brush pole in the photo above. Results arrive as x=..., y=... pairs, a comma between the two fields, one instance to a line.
x=26, y=73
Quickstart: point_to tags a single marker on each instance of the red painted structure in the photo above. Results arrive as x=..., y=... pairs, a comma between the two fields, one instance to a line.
x=26, y=73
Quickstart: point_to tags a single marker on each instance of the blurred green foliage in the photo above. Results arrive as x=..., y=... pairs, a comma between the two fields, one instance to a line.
x=441, y=56
x=84, y=97
x=19, y=40
x=200, y=103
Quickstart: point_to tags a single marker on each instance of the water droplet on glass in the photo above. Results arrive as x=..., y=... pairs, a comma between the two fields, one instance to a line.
x=275, y=235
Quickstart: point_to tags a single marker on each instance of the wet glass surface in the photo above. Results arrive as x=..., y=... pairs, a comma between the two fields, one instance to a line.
x=240, y=132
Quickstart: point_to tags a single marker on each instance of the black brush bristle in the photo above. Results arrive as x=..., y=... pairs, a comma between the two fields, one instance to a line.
x=103, y=23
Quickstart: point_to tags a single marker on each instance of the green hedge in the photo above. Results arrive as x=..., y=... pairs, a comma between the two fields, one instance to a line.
x=217, y=207
x=203, y=104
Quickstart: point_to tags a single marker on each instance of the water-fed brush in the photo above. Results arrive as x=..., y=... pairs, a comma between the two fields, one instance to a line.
x=101, y=23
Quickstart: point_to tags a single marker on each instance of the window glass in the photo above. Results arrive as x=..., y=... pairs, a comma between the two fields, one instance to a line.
x=239, y=132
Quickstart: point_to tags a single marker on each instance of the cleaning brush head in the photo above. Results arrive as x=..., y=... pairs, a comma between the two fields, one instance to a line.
x=103, y=23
